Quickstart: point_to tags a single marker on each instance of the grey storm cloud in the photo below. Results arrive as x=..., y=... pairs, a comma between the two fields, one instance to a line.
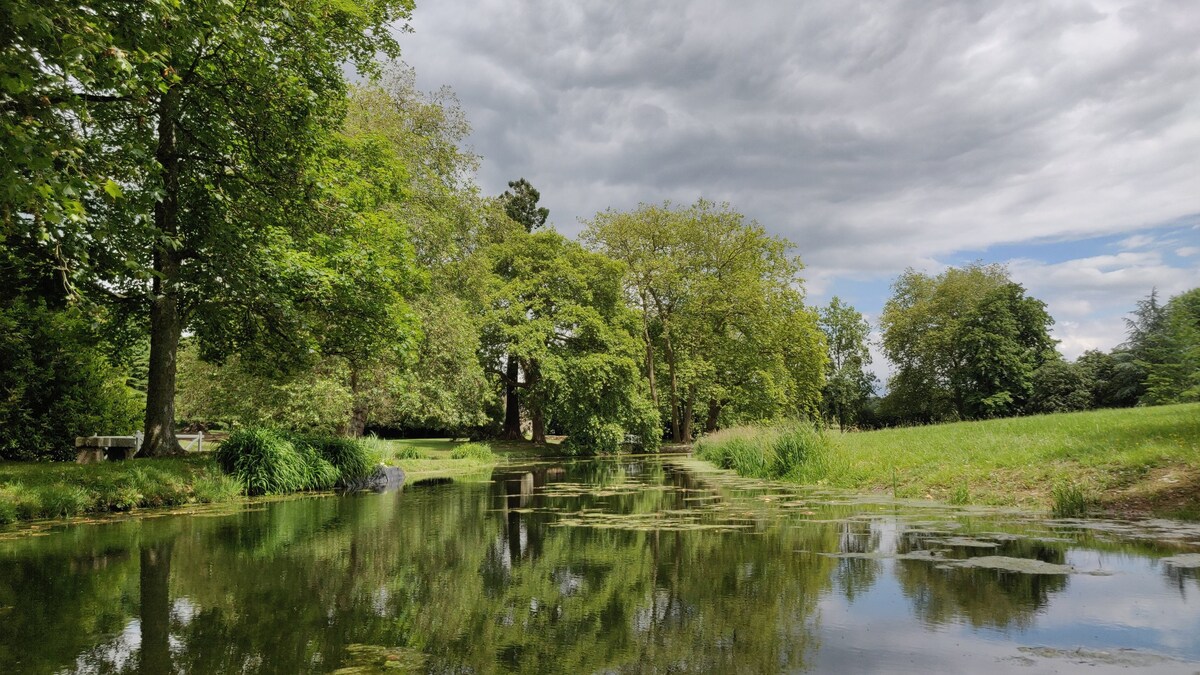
x=874, y=134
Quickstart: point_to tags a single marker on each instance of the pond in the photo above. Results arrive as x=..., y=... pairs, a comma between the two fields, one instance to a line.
x=631, y=565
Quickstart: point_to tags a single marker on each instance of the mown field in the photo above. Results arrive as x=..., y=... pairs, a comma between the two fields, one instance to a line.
x=1122, y=461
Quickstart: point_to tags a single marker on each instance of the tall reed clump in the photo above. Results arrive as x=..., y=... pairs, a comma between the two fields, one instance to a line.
x=1069, y=500
x=267, y=461
x=797, y=452
x=479, y=451
x=352, y=458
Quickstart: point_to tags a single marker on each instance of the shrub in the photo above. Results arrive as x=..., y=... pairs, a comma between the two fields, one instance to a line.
x=264, y=461
x=409, y=452
x=213, y=488
x=479, y=451
x=798, y=452
x=8, y=512
x=318, y=473
x=267, y=461
x=746, y=450
x=57, y=385
x=23, y=502
x=64, y=500
x=157, y=488
x=351, y=458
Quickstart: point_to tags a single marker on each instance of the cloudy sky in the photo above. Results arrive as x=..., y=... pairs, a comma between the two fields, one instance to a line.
x=1059, y=137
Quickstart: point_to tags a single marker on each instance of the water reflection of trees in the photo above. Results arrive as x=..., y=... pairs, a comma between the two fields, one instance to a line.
x=982, y=597
x=470, y=577
x=855, y=576
x=466, y=575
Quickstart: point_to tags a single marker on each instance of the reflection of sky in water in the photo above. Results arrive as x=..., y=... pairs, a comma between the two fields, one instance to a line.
x=1135, y=606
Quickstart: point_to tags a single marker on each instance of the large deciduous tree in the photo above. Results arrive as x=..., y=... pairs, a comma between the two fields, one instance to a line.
x=848, y=383
x=203, y=119
x=559, y=310
x=721, y=313
x=964, y=344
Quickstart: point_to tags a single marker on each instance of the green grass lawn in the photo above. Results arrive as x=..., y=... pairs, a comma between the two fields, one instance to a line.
x=1136, y=460
x=30, y=490
x=1017, y=460
x=431, y=457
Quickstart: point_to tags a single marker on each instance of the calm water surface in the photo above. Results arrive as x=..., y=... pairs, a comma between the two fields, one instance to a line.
x=638, y=565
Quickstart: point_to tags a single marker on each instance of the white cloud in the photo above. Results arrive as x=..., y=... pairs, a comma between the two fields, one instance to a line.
x=877, y=135
x=1090, y=296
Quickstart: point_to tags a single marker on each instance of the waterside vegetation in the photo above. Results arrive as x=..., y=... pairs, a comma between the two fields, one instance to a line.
x=1119, y=461
x=254, y=461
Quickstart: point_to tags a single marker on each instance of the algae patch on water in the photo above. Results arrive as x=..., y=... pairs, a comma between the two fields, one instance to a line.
x=964, y=542
x=380, y=659
x=645, y=522
x=1184, y=560
x=1126, y=658
x=1019, y=565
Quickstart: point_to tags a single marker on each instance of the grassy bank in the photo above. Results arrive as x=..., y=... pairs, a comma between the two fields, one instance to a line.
x=30, y=490
x=265, y=462
x=1128, y=461
x=445, y=457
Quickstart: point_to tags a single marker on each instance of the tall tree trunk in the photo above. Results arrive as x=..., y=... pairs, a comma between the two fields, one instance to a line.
x=155, y=608
x=537, y=416
x=165, y=321
x=669, y=352
x=359, y=409
x=512, y=403
x=689, y=413
x=649, y=354
x=714, y=414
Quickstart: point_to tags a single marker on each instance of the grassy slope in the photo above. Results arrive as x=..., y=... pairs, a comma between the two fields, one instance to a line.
x=1140, y=459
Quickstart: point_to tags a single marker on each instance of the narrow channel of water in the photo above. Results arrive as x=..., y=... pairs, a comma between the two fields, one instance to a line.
x=636, y=565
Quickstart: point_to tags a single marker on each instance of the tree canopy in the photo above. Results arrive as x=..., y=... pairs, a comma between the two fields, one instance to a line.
x=848, y=384
x=722, y=314
x=964, y=344
x=200, y=129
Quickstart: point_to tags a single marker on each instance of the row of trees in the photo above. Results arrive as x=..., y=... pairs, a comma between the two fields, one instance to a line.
x=970, y=343
x=199, y=209
x=201, y=197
